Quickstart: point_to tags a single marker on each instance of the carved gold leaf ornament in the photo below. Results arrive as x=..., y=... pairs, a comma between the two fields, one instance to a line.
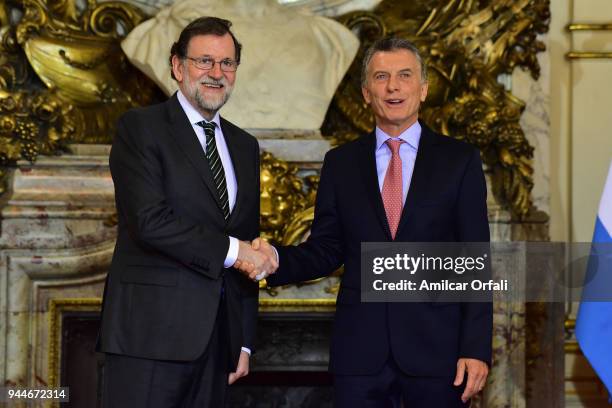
x=285, y=200
x=63, y=77
x=4, y=18
x=31, y=121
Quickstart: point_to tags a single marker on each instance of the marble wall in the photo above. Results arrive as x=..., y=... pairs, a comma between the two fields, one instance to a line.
x=535, y=122
x=56, y=243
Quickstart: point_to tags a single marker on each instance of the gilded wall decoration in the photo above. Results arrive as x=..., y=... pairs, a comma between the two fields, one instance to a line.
x=287, y=201
x=63, y=78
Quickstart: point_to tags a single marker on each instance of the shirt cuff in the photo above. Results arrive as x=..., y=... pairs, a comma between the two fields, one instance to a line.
x=232, y=253
x=275, y=253
x=246, y=350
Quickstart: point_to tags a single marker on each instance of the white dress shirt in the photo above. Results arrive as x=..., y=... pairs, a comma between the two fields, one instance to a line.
x=230, y=176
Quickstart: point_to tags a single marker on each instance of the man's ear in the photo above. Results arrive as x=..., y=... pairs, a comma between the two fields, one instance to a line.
x=177, y=67
x=424, y=89
x=366, y=94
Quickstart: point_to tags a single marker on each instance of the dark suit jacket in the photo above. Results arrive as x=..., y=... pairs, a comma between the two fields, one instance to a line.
x=446, y=202
x=164, y=285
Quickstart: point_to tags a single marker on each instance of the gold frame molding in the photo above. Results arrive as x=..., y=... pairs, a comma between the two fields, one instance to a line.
x=574, y=55
x=57, y=307
x=571, y=347
x=589, y=27
x=297, y=305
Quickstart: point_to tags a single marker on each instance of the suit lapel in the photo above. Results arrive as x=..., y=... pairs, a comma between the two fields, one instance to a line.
x=187, y=140
x=370, y=179
x=423, y=168
x=240, y=158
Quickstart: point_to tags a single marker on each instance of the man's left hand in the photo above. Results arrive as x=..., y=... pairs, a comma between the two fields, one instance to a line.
x=477, y=372
x=241, y=370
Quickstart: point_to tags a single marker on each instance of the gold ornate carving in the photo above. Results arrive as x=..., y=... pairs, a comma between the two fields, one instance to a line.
x=286, y=201
x=467, y=45
x=63, y=77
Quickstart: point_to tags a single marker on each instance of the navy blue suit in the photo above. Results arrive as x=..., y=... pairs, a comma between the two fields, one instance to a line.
x=446, y=202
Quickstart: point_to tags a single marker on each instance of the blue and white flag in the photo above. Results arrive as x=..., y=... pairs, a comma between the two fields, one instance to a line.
x=594, y=321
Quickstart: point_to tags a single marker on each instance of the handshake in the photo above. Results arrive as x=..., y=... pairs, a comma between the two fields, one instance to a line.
x=256, y=260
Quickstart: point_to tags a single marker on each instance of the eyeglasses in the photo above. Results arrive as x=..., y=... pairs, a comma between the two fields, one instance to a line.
x=206, y=63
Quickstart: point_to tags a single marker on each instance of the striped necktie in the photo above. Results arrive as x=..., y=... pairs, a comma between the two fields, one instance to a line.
x=216, y=167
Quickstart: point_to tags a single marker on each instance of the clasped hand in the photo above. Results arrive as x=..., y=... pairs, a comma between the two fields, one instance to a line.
x=256, y=260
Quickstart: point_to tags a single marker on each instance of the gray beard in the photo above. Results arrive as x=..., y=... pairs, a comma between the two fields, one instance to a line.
x=212, y=105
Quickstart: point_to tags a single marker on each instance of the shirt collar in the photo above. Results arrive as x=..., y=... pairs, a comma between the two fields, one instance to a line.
x=192, y=114
x=412, y=135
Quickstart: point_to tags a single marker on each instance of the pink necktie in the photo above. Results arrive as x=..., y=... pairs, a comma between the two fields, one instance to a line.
x=392, y=187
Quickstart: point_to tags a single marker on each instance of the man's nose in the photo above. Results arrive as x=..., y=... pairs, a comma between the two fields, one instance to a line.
x=392, y=84
x=216, y=72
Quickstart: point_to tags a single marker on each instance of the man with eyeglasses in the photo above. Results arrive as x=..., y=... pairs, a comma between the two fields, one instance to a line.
x=178, y=321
